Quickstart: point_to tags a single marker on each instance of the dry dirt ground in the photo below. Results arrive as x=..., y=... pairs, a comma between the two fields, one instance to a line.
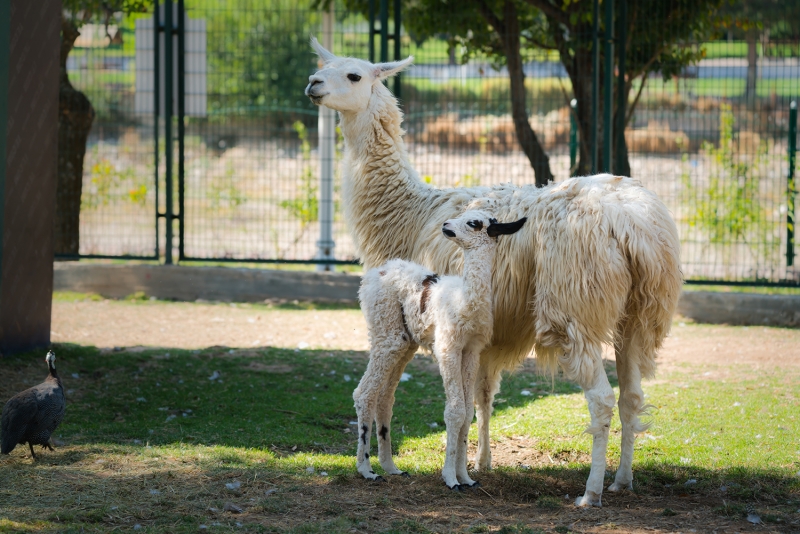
x=109, y=324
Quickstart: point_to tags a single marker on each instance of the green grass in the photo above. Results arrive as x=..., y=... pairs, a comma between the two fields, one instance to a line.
x=278, y=418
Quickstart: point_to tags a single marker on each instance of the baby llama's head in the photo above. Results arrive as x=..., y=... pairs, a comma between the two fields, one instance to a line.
x=476, y=228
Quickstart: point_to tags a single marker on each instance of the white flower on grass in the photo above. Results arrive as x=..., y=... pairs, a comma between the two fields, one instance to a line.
x=215, y=375
x=525, y=393
x=347, y=378
x=405, y=377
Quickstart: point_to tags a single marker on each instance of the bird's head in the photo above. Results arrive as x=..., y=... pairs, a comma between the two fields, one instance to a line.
x=50, y=359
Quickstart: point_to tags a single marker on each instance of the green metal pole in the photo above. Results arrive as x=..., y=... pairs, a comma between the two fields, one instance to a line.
x=181, y=123
x=397, y=44
x=573, y=136
x=372, y=31
x=5, y=63
x=622, y=97
x=790, y=186
x=384, y=31
x=608, y=86
x=595, y=83
x=168, y=128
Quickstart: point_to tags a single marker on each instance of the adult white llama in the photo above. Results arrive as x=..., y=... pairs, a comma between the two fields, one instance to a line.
x=407, y=305
x=597, y=263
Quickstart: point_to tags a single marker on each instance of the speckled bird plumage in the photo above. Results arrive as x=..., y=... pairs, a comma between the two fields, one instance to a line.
x=32, y=415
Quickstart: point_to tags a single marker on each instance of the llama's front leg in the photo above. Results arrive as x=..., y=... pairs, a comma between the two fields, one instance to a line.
x=469, y=371
x=631, y=405
x=600, y=397
x=454, y=412
x=383, y=420
x=486, y=387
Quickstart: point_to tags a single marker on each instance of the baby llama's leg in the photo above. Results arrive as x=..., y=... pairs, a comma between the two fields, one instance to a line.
x=388, y=348
x=449, y=359
x=631, y=405
x=600, y=398
x=383, y=420
x=486, y=387
x=469, y=371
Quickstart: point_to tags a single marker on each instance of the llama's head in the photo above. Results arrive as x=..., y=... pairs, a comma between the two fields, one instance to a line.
x=346, y=84
x=477, y=228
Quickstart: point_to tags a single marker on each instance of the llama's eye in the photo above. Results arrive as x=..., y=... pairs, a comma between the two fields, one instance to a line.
x=477, y=224
x=354, y=77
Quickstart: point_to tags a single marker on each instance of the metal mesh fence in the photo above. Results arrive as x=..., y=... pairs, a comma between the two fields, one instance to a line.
x=712, y=141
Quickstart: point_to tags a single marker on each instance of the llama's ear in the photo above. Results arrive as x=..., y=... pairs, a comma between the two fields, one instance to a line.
x=495, y=229
x=387, y=70
x=323, y=54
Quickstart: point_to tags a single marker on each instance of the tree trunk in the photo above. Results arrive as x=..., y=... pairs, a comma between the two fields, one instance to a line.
x=536, y=155
x=75, y=116
x=752, y=70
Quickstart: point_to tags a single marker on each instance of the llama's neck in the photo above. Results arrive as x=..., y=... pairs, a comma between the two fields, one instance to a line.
x=477, y=276
x=383, y=196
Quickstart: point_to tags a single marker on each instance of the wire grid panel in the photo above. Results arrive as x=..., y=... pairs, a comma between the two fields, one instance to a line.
x=117, y=200
x=711, y=146
x=252, y=165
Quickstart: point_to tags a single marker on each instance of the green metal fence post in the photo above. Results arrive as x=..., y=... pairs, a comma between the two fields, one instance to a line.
x=397, y=44
x=608, y=85
x=622, y=96
x=168, y=128
x=384, y=30
x=181, y=123
x=790, y=187
x=372, y=31
x=156, y=113
x=573, y=136
x=595, y=83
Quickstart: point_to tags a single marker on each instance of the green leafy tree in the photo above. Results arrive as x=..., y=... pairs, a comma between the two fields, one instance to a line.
x=258, y=54
x=660, y=38
x=75, y=116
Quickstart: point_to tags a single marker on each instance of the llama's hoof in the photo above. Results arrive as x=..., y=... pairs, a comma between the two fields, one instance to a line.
x=618, y=486
x=589, y=499
x=379, y=479
x=474, y=485
x=456, y=487
x=405, y=474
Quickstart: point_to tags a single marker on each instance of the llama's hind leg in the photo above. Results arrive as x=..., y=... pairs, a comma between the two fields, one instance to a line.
x=631, y=405
x=487, y=385
x=600, y=398
x=383, y=419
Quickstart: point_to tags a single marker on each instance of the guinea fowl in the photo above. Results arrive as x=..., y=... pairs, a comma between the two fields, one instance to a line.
x=32, y=415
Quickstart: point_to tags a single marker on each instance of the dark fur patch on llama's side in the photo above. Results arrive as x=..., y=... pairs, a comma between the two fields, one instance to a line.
x=426, y=289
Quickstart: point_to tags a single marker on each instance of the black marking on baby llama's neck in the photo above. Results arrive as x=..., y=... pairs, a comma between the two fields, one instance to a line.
x=426, y=287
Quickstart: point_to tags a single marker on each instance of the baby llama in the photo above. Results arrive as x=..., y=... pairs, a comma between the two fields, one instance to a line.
x=407, y=305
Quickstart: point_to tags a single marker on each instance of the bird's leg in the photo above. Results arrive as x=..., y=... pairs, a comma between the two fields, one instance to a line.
x=31, y=447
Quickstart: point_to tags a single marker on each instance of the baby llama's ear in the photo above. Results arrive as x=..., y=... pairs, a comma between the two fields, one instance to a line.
x=495, y=229
x=323, y=54
x=387, y=70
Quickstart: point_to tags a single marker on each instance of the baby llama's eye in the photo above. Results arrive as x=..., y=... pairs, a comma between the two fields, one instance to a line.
x=354, y=77
x=477, y=224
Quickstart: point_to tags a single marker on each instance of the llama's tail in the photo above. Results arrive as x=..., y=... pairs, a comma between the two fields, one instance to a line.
x=653, y=249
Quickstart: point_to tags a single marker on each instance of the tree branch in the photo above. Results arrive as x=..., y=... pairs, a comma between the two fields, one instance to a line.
x=493, y=20
x=632, y=107
x=551, y=11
